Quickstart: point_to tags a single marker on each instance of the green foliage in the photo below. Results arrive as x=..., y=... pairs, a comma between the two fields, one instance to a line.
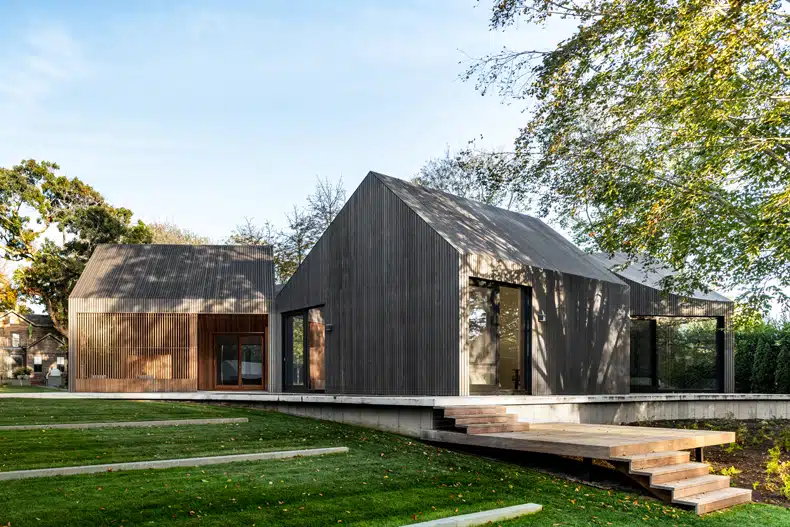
x=34, y=198
x=489, y=177
x=763, y=372
x=745, y=346
x=165, y=232
x=783, y=361
x=660, y=128
x=22, y=370
x=778, y=472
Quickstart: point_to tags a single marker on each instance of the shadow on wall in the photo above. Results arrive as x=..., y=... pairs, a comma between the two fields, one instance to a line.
x=179, y=278
x=582, y=346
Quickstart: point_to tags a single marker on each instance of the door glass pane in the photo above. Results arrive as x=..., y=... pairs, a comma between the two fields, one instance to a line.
x=687, y=353
x=296, y=351
x=642, y=355
x=482, y=347
x=227, y=354
x=315, y=338
x=510, y=367
x=251, y=360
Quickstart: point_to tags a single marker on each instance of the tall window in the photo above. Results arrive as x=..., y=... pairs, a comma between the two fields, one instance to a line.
x=37, y=364
x=303, y=350
x=498, y=337
x=14, y=340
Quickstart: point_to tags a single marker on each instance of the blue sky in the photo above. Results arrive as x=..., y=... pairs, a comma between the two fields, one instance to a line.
x=203, y=113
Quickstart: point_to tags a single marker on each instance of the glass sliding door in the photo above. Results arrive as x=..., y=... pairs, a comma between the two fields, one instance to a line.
x=240, y=360
x=303, y=351
x=677, y=354
x=498, y=337
x=227, y=360
x=251, y=360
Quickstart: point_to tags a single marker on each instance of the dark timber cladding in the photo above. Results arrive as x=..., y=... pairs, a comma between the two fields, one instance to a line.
x=582, y=345
x=393, y=273
x=648, y=300
x=389, y=284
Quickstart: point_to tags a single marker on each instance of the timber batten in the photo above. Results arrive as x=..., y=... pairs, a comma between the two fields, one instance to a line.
x=142, y=317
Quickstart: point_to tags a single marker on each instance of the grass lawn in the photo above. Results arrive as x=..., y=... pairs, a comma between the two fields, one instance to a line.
x=9, y=388
x=384, y=480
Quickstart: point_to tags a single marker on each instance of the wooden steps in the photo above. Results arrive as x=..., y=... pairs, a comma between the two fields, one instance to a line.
x=670, y=475
x=475, y=420
x=656, y=458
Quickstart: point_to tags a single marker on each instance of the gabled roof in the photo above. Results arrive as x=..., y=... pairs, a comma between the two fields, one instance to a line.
x=177, y=272
x=52, y=336
x=44, y=321
x=473, y=227
x=649, y=276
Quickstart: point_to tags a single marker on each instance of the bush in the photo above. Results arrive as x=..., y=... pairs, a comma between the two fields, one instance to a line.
x=764, y=369
x=23, y=370
x=745, y=344
x=783, y=361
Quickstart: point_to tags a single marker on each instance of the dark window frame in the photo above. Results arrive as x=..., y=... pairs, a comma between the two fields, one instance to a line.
x=525, y=329
x=287, y=337
x=719, y=343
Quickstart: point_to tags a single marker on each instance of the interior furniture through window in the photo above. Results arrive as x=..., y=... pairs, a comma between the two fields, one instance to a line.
x=240, y=360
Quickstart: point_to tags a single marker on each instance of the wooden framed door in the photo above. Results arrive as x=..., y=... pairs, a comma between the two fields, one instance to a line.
x=240, y=361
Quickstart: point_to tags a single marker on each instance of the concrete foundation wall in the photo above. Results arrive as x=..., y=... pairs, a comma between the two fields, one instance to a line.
x=631, y=412
x=404, y=420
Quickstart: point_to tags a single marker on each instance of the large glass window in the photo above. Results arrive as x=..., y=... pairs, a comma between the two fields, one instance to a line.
x=304, y=350
x=498, y=337
x=240, y=360
x=676, y=354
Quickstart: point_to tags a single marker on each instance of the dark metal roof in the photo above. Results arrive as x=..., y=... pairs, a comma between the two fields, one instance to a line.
x=477, y=228
x=648, y=275
x=177, y=272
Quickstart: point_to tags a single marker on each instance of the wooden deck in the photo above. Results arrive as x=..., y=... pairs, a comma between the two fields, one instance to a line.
x=609, y=442
x=657, y=459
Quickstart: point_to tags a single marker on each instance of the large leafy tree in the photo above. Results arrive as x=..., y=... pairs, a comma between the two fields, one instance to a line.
x=167, y=232
x=660, y=127
x=35, y=203
x=489, y=177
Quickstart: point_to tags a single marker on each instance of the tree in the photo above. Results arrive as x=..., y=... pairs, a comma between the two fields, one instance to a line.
x=783, y=361
x=9, y=296
x=248, y=233
x=660, y=128
x=763, y=370
x=35, y=199
x=324, y=203
x=489, y=177
x=165, y=232
x=296, y=241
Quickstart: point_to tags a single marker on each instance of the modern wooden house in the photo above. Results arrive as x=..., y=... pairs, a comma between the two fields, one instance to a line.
x=172, y=318
x=678, y=343
x=424, y=293
x=409, y=292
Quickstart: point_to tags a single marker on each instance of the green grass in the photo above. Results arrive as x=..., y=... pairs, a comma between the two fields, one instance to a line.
x=10, y=388
x=384, y=480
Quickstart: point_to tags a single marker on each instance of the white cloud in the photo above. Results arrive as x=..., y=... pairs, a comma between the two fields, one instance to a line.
x=46, y=59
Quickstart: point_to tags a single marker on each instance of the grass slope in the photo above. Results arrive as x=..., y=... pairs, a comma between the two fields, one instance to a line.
x=384, y=480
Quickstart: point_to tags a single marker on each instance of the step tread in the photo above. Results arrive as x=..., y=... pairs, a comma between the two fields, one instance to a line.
x=668, y=469
x=481, y=415
x=654, y=455
x=713, y=496
x=690, y=482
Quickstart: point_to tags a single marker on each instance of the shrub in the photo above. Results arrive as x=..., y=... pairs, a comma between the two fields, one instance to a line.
x=764, y=368
x=783, y=361
x=23, y=370
x=745, y=344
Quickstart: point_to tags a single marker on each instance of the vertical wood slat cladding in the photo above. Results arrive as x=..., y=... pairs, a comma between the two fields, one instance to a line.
x=648, y=301
x=134, y=352
x=389, y=286
x=208, y=325
x=583, y=345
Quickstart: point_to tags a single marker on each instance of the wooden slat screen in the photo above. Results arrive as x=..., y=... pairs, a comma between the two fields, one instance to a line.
x=136, y=352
